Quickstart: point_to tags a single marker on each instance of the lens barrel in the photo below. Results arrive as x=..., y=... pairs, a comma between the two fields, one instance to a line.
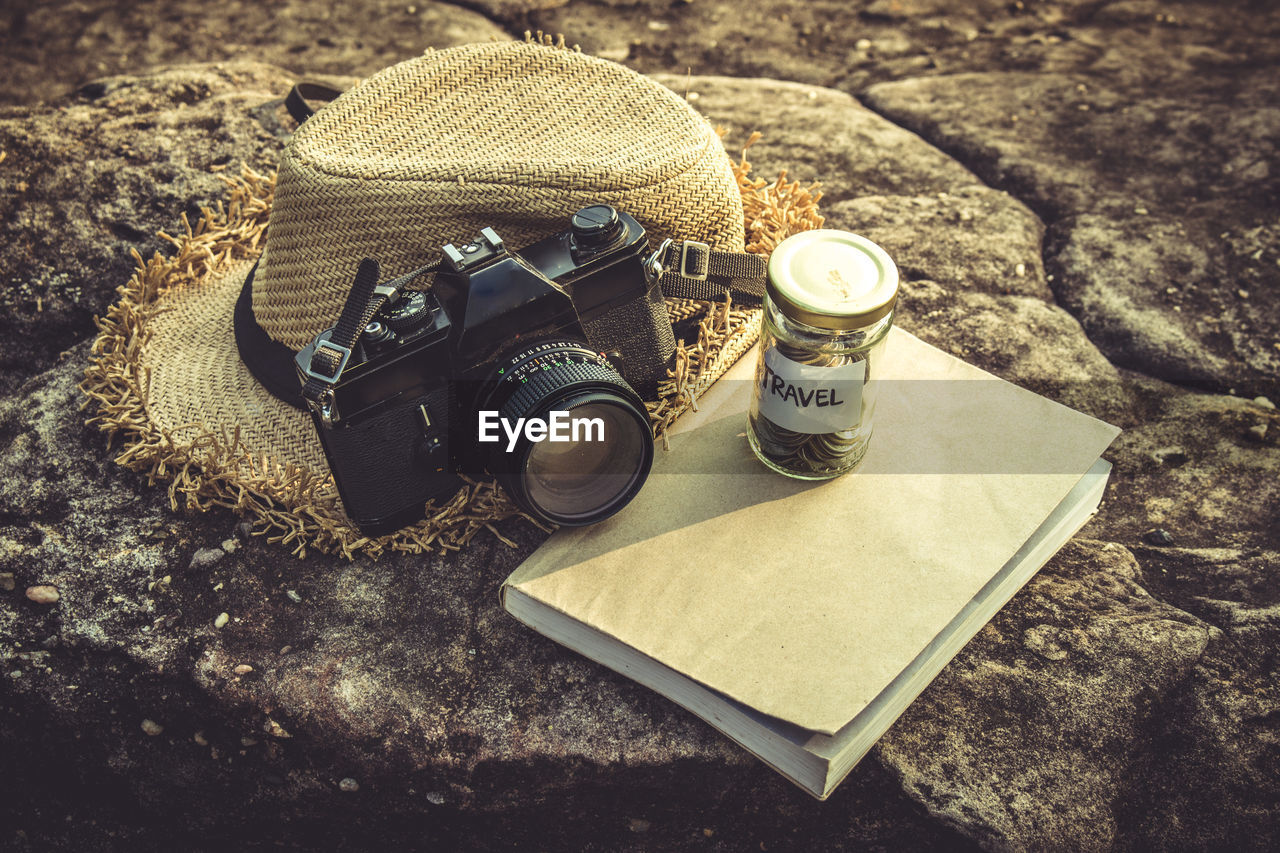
x=596, y=447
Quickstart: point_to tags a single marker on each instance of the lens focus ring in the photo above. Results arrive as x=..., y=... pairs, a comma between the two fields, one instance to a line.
x=557, y=374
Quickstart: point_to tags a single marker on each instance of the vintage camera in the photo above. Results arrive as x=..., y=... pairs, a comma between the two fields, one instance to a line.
x=501, y=366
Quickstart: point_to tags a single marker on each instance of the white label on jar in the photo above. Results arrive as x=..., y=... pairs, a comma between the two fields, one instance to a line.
x=811, y=398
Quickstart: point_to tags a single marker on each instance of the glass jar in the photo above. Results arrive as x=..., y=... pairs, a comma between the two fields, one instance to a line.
x=829, y=305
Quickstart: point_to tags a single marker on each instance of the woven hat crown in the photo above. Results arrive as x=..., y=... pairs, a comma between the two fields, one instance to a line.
x=515, y=136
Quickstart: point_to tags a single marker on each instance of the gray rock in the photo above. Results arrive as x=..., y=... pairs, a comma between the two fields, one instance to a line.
x=1159, y=209
x=1037, y=746
x=1106, y=685
x=205, y=558
x=849, y=45
x=1217, y=489
x=841, y=45
x=989, y=237
x=347, y=39
x=401, y=673
x=43, y=594
x=1156, y=297
x=1025, y=340
x=1047, y=641
x=1221, y=791
x=821, y=134
x=89, y=181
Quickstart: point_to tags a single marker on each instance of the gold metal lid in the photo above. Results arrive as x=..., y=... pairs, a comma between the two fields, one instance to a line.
x=832, y=280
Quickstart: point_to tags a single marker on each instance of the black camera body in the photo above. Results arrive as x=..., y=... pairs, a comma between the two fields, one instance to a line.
x=521, y=337
x=602, y=261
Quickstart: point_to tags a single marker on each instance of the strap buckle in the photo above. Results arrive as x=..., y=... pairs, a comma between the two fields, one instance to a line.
x=700, y=253
x=343, y=353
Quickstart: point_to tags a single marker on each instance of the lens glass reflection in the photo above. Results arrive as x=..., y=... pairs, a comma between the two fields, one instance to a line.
x=575, y=480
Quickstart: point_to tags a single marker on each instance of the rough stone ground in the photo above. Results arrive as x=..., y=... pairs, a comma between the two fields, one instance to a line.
x=1089, y=210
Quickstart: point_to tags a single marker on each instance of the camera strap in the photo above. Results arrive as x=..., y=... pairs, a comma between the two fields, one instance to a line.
x=274, y=365
x=693, y=270
x=330, y=355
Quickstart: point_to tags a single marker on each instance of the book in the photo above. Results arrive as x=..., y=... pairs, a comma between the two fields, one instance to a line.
x=802, y=618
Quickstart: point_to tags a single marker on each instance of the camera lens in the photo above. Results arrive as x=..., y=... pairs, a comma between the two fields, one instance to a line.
x=576, y=445
x=575, y=480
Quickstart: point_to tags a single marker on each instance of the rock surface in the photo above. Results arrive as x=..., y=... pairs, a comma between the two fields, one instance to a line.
x=1161, y=211
x=1144, y=133
x=90, y=39
x=83, y=184
x=461, y=727
x=1048, y=704
x=1126, y=699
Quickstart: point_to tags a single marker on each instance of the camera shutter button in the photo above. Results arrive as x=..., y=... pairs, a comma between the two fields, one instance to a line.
x=596, y=225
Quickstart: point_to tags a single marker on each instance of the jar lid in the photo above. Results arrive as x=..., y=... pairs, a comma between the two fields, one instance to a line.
x=832, y=279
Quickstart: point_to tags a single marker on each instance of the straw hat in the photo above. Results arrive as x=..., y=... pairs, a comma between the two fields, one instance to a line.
x=514, y=136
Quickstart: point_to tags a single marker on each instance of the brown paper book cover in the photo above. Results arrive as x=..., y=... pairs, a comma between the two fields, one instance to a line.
x=801, y=618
